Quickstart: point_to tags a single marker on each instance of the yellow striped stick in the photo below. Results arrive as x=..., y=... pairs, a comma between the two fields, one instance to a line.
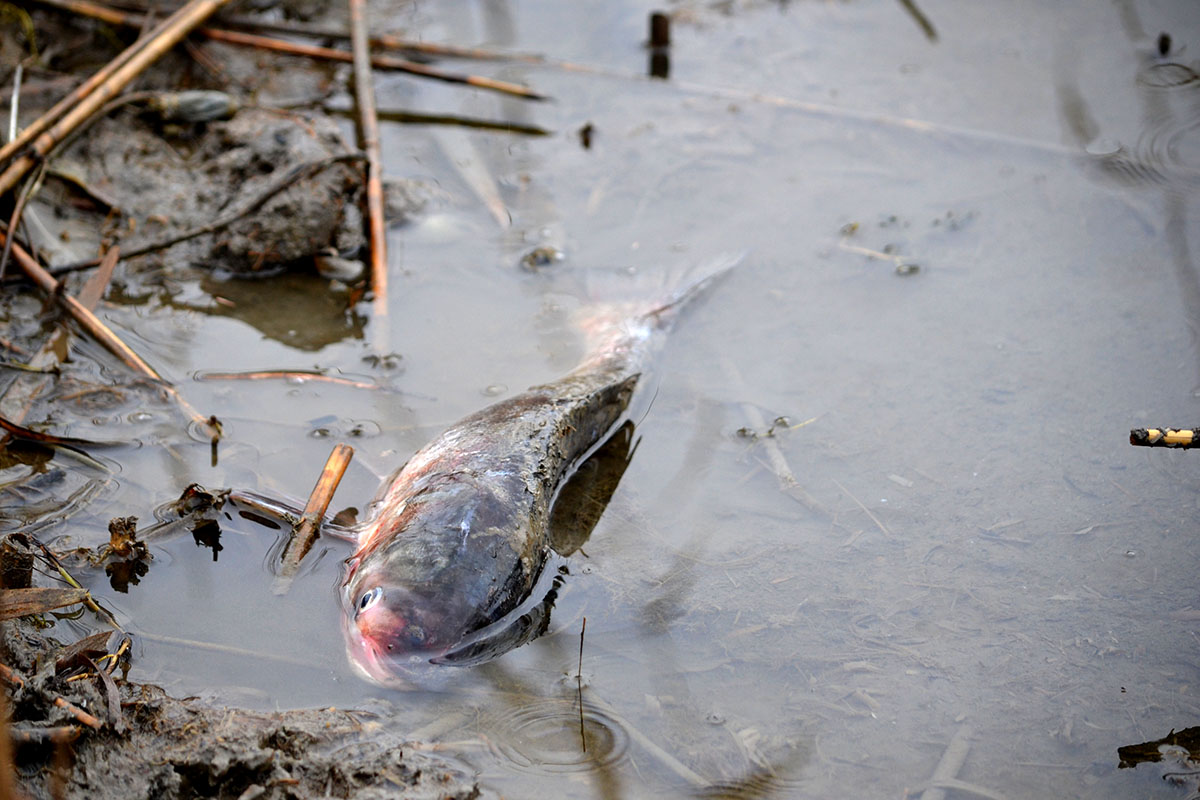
x=1182, y=438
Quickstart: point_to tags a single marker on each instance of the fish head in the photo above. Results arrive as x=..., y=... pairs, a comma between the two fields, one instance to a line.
x=427, y=576
x=390, y=626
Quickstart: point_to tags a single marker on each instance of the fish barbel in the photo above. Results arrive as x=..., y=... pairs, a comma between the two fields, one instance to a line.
x=459, y=535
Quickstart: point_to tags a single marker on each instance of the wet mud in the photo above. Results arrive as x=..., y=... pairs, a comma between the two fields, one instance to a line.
x=155, y=745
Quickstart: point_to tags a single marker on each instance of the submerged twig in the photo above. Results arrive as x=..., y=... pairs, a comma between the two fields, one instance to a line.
x=922, y=21
x=368, y=122
x=132, y=62
x=1179, y=438
x=951, y=762
x=306, y=530
x=882, y=528
x=93, y=291
x=779, y=465
x=298, y=376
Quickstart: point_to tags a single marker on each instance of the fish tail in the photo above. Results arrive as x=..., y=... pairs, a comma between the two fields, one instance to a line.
x=693, y=283
x=654, y=308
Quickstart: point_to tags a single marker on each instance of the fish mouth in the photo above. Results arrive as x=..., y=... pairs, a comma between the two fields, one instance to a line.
x=372, y=662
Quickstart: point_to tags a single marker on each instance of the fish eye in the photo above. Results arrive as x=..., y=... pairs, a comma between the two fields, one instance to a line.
x=369, y=598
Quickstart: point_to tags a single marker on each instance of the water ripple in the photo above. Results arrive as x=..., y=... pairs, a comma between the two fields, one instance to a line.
x=544, y=738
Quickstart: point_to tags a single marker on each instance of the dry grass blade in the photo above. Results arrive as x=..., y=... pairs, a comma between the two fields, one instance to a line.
x=368, y=122
x=112, y=695
x=131, y=63
x=72, y=655
x=23, y=602
x=305, y=532
x=93, y=291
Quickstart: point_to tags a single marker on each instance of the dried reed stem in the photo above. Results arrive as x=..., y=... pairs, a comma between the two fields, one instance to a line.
x=368, y=122
x=306, y=530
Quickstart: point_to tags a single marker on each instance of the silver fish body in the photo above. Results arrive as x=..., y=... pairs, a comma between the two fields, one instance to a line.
x=460, y=534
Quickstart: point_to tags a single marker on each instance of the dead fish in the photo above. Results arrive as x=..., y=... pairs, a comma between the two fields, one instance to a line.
x=458, y=537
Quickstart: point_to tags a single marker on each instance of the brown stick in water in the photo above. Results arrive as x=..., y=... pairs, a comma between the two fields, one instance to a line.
x=368, y=122
x=306, y=530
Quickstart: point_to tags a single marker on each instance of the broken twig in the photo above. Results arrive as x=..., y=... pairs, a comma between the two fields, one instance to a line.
x=10, y=676
x=1179, y=438
x=306, y=530
x=104, y=335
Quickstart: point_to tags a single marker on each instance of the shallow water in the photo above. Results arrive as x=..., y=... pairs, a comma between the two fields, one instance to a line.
x=970, y=548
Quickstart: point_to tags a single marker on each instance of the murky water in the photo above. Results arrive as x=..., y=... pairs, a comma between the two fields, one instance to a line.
x=972, y=271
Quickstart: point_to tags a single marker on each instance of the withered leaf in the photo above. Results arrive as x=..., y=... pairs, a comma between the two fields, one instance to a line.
x=38, y=600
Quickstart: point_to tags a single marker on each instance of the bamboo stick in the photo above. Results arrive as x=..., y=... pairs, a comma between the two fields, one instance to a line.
x=368, y=121
x=131, y=63
x=306, y=530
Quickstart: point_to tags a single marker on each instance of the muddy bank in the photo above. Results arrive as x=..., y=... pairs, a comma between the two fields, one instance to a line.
x=154, y=745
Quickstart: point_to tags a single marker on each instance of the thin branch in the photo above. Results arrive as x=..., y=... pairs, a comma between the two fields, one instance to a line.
x=368, y=121
x=377, y=61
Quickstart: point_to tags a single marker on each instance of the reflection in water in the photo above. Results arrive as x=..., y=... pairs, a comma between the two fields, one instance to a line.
x=1167, y=152
x=306, y=312
x=36, y=492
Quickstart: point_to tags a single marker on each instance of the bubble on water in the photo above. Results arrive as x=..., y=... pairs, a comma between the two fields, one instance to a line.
x=495, y=390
